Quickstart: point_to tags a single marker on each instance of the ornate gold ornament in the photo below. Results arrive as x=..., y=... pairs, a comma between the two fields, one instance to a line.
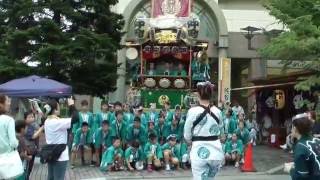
x=163, y=99
x=171, y=7
x=166, y=37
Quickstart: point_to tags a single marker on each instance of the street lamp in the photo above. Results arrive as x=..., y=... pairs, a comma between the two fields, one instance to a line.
x=273, y=33
x=250, y=32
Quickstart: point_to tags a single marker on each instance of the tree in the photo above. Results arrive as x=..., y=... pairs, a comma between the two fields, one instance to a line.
x=72, y=41
x=302, y=40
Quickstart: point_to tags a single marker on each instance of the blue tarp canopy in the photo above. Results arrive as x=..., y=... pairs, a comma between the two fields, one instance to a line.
x=35, y=86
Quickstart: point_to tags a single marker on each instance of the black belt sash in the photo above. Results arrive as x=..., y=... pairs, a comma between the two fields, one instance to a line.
x=205, y=138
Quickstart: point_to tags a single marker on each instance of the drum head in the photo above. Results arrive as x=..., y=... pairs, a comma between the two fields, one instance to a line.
x=164, y=83
x=132, y=53
x=150, y=82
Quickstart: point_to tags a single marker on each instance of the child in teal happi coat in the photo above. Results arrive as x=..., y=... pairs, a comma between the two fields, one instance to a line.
x=103, y=139
x=161, y=127
x=134, y=156
x=84, y=116
x=119, y=128
x=104, y=115
x=153, y=152
x=171, y=153
x=112, y=158
x=82, y=143
x=243, y=133
x=136, y=132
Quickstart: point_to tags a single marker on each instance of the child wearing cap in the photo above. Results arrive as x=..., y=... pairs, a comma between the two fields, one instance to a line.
x=134, y=156
x=112, y=159
x=136, y=132
x=82, y=143
x=153, y=152
x=171, y=152
x=103, y=140
x=119, y=128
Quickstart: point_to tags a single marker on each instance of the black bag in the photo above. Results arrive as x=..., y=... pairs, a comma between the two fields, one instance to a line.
x=51, y=152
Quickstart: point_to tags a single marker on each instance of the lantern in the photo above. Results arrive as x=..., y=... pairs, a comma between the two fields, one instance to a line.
x=280, y=99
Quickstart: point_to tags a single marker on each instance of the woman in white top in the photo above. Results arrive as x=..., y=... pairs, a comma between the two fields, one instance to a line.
x=55, y=129
x=203, y=126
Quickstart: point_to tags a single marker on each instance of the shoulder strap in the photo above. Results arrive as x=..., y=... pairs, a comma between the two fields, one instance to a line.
x=205, y=112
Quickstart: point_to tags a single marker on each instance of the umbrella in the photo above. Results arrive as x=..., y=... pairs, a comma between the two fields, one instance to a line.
x=35, y=86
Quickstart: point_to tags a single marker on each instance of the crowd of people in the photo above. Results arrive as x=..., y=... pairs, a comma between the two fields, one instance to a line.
x=121, y=137
x=124, y=138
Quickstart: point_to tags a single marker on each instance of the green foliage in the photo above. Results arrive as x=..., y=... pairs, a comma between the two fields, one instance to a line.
x=72, y=41
x=302, y=40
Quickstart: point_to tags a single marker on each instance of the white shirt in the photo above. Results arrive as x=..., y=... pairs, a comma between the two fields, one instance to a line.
x=56, y=133
x=204, y=150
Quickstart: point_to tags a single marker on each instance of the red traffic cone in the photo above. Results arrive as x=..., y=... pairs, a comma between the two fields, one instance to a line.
x=248, y=160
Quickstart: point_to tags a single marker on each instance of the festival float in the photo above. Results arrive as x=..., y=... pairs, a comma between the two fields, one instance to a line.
x=171, y=58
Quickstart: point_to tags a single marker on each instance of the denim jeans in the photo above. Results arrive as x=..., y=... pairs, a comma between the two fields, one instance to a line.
x=57, y=170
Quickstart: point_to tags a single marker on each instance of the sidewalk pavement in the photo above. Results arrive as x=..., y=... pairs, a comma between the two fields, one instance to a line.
x=266, y=160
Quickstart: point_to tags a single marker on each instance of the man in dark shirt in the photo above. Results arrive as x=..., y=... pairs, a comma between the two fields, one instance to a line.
x=316, y=129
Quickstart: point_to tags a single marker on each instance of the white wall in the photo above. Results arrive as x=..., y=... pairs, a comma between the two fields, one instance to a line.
x=243, y=13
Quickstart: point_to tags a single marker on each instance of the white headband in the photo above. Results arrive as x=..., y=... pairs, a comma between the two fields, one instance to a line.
x=302, y=115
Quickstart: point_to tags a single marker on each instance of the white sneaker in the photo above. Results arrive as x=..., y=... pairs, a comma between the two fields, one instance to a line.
x=283, y=146
x=168, y=167
x=254, y=143
x=236, y=165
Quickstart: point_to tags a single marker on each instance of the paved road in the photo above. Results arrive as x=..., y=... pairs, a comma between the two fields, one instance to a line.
x=242, y=177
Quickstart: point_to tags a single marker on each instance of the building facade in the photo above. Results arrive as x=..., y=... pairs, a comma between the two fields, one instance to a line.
x=221, y=24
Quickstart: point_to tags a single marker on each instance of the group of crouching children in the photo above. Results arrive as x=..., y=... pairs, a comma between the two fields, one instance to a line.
x=118, y=139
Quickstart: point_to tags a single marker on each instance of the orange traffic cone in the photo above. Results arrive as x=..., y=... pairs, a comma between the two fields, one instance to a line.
x=248, y=160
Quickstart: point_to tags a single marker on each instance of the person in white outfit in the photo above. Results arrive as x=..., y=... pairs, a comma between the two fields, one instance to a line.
x=203, y=126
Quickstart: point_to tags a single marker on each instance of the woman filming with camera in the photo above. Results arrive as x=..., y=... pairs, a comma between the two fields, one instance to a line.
x=55, y=153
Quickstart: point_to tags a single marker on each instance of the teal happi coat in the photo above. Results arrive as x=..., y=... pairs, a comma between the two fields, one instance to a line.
x=102, y=116
x=79, y=135
x=153, y=149
x=178, y=131
x=306, y=159
x=175, y=150
x=243, y=135
x=108, y=157
x=128, y=118
x=141, y=136
x=88, y=117
x=119, y=130
x=103, y=138
x=138, y=154
x=152, y=116
x=231, y=147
